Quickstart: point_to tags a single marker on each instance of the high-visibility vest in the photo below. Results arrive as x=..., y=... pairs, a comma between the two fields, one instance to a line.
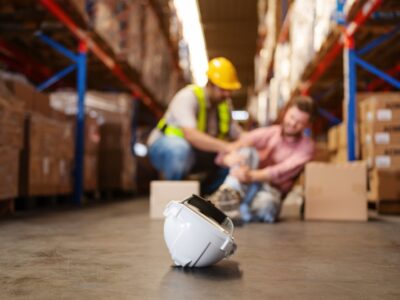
x=224, y=117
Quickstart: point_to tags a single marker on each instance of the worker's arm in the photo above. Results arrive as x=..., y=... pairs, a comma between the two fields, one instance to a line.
x=205, y=142
x=277, y=173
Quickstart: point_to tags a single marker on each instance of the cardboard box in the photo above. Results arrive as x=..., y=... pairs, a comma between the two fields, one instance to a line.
x=39, y=175
x=382, y=132
x=321, y=152
x=11, y=127
x=381, y=138
x=333, y=139
x=34, y=101
x=115, y=136
x=162, y=192
x=384, y=185
x=49, y=137
x=117, y=170
x=336, y=191
x=46, y=160
x=92, y=135
x=382, y=156
x=383, y=107
x=362, y=106
x=9, y=172
x=41, y=104
x=91, y=172
x=389, y=127
x=342, y=135
x=341, y=155
x=24, y=92
x=64, y=184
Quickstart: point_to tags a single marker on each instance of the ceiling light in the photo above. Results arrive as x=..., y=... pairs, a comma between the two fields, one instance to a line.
x=188, y=13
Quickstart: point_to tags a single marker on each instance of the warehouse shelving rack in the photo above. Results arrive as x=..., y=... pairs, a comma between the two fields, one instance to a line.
x=351, y=58
x=58, y=24
x=370, y=24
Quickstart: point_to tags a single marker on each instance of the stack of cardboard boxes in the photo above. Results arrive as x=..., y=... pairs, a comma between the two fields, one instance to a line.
x=137, y=36
x=108, y=160
x=47, y=147
x=46, y=160
x=117, y=166
x=380, y=147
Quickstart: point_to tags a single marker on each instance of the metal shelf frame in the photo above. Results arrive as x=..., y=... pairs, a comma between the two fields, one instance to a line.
x=107, y=60
x=351, y=59
x=80, y=65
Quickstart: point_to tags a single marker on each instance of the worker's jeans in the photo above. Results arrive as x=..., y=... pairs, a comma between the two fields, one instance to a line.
x=172, y=156
x=175, y=158
x=261, y=201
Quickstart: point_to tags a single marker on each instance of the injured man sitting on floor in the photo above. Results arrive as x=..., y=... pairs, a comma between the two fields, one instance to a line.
x=265, y=165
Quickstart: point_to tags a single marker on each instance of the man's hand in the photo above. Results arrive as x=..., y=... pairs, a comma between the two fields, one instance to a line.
x=242, y=173
x=233, y=158
x=245, y=175
x=234, y=146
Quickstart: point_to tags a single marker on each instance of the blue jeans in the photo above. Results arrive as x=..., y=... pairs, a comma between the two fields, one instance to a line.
x=175, y=158
x=261, y=201
x=172, y=156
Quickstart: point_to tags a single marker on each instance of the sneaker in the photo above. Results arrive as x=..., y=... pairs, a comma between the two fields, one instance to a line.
x=228, y=200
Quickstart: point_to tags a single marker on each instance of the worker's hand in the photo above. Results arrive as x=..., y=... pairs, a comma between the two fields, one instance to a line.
x=242, y=173
x=233, y=158
x=233, y=146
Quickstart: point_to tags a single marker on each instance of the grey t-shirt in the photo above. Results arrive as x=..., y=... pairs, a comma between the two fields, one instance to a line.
x=183, y=110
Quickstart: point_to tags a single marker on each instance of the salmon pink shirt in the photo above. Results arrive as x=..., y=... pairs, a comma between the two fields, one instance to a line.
x=281, y=157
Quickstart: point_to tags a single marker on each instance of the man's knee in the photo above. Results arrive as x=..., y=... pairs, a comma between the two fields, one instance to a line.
x=174, y=158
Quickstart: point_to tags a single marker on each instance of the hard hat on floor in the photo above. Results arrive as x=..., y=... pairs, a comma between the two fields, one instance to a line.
x=197, y=234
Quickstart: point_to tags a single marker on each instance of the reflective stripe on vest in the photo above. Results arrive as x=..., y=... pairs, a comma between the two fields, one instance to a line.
x=169, y=130
x=224, y=117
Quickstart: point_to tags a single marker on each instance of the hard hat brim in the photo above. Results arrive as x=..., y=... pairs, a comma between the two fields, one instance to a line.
x=233, y=86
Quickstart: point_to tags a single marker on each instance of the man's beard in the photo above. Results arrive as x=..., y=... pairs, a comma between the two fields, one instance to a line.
x=292, y=134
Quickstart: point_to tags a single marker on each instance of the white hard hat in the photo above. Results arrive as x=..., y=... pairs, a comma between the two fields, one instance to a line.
x=197, y=233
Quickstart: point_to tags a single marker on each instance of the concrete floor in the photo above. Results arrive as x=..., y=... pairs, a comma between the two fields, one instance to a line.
x=113, y=251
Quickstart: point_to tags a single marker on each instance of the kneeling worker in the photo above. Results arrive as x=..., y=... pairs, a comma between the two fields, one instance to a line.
x=197, y=126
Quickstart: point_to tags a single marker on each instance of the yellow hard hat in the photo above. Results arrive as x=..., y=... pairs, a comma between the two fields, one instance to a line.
x=222, y=73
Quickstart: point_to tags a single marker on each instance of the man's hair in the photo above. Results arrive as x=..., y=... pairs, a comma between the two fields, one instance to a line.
x=305, y=104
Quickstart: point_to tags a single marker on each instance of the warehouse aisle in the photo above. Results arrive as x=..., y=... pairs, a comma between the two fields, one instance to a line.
x=113, y=251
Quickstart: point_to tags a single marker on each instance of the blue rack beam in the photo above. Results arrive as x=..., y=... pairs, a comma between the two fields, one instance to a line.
x=370, y=68
x=80, y=122
x=379, y=40
x=56, y=77
x=350, y=79
x=80, y=64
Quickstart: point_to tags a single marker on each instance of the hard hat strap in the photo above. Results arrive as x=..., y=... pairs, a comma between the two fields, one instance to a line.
x=207, y=208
